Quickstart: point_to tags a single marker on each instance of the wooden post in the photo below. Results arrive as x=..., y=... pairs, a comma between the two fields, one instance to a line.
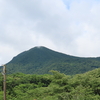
x=4, y=81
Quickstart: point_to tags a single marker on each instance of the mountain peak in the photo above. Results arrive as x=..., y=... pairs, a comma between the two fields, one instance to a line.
x=40, y=60
x=39, y=47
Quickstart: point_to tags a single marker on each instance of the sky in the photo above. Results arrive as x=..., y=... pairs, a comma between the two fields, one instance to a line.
x=68, y=26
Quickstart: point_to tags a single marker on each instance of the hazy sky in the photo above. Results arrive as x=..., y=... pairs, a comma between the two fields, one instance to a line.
x=68, y=26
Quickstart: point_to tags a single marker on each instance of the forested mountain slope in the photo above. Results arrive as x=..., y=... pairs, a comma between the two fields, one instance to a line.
x=40, y=60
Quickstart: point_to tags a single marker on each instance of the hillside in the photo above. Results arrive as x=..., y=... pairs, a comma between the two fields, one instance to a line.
x=57, y=86
x=40, y=60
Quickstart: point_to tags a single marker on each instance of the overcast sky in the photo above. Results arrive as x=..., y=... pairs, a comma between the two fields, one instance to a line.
x=67, y=26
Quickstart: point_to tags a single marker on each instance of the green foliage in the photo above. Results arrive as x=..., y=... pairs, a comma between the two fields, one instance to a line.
x=57, y=86
x=41, y=60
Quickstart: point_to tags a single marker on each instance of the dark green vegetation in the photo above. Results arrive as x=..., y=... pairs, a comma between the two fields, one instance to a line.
x=57, y=86
x=42, y=60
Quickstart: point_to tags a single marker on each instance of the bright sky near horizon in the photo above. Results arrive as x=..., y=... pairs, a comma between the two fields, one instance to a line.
x=67, y=26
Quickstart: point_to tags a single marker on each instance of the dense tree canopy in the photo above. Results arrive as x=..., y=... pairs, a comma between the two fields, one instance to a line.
x=42, y=60
x=56, y=86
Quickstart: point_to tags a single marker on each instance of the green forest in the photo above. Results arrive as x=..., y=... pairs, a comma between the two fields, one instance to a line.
x=41, y=60
x=54, y=86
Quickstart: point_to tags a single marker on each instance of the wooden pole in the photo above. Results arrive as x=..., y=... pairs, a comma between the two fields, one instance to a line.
x=4, y=81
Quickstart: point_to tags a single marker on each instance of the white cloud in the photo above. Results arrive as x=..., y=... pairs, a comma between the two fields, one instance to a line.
x=6, y=53
x=69, y=26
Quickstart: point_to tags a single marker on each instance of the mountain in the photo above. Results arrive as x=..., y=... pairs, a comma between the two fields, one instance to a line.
x=40, y=60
